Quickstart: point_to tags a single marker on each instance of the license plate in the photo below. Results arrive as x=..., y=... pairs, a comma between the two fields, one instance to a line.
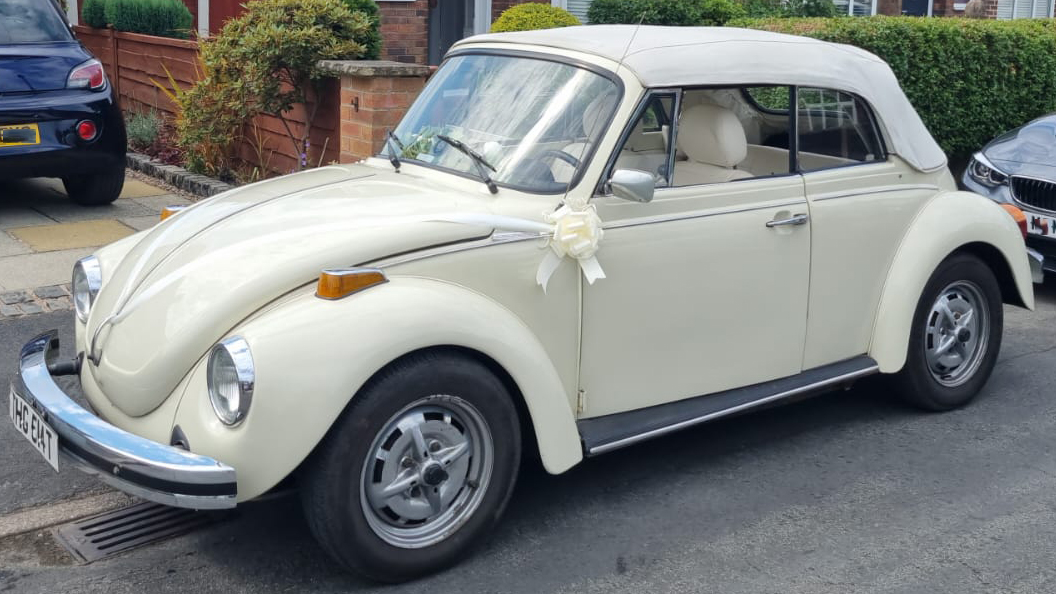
x=19, y=135
x=1040, y=224
x=32, y=427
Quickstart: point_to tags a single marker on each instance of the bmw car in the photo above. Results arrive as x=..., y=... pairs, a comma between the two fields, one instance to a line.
x=59, y=116
x=1018, y=170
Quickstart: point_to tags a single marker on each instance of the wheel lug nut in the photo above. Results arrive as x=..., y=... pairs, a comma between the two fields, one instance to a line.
x=406, y=462
x=434, y=446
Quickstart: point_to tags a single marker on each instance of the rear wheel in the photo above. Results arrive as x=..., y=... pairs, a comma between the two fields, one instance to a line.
x=956, y=335
x=95, y=189
x=417, y=471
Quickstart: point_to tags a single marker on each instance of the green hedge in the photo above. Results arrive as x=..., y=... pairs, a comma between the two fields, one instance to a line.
x=969, y=79
x=165, y=18
x=371, y=39
x=531, y=16
x=93, y=13
x=665, y=12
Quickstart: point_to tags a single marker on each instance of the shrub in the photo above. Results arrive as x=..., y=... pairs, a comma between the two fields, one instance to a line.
x=529, y=16
x=93, y=13
x=968, y=79
x=790, y=8
x=165, y=18
x=372, y=39
x=716, y=13
x=265, y=61
x=665, y=12
x=142, y=129
x=648, y=12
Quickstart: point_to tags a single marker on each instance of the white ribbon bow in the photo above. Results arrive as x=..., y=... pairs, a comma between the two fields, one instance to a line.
x=576, y=234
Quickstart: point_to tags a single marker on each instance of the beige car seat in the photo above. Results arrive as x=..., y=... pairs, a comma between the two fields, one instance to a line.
x=713, y=140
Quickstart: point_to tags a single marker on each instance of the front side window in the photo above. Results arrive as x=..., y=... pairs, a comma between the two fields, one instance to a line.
x=31, y=21
x=646, y=144
x=835, y=128
x=534, y=122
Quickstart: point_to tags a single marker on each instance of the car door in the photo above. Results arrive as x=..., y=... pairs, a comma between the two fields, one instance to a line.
x=703, y=291
x=861, y=202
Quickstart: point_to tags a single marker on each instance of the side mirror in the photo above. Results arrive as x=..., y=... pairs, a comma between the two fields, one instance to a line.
x=632, y=184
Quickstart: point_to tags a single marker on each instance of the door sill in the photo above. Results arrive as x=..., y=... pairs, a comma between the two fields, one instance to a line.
x=611, y=432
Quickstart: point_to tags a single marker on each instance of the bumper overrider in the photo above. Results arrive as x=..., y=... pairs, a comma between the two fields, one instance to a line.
x=133, y=464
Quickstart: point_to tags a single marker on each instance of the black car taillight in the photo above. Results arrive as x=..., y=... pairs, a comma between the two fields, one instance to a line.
x=87, y=76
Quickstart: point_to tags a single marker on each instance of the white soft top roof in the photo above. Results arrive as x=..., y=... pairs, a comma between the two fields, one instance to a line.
x=684, y=56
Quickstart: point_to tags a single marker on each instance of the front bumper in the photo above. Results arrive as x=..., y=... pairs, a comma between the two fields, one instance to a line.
x=135, y=465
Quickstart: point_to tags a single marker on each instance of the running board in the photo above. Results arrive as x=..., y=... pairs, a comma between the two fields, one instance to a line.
x=604, y=434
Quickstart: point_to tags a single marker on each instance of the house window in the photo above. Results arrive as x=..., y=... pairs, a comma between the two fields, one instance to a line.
x=856, y=7
x=1024, y=9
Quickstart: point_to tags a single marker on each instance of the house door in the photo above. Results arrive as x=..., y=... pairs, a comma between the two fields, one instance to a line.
x=915, y=7
x=449, y=21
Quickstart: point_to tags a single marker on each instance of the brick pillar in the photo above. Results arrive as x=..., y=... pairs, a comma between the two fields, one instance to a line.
x=889, y=7
x=374, y=96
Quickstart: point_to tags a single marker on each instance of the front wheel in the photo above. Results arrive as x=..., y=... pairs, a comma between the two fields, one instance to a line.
x=955, y=337
x=417, y=470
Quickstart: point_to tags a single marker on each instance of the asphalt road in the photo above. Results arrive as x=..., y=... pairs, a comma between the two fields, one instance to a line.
x=846, y=493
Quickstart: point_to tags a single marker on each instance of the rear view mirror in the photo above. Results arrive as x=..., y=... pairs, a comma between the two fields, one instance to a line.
x=632, y=184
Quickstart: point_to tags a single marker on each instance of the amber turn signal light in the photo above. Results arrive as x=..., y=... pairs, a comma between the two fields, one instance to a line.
x=336, y=283
x=1018, y=217
x=168, y=211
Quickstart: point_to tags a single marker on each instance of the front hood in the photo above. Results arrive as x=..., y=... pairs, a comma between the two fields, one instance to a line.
x=1033, y=144
x=191, y=279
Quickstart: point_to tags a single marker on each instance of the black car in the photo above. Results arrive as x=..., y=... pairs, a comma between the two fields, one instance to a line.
x=58, y=114
x=1018, y=168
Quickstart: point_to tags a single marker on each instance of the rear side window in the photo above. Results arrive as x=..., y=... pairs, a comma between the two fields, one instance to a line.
x=31, y=21
x=835, y=128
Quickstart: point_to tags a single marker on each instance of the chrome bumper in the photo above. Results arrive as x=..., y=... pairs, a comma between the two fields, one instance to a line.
x=1037, y=265
x=135, y=465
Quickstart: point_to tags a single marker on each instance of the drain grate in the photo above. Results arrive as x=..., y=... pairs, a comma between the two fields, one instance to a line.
x=139, y=524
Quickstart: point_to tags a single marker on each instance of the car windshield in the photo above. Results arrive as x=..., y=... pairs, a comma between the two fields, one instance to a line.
x=529, y=124
x=31, y=21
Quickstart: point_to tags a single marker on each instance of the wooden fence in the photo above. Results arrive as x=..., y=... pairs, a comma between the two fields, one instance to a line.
x=133, y=62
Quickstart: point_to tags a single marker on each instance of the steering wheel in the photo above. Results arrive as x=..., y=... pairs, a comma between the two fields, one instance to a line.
x=562, y=155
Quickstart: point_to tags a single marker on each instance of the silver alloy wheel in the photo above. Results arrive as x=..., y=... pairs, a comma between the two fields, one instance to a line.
x=956, y=333
x=427, y=471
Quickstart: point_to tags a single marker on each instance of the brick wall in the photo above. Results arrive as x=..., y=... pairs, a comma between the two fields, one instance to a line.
x=405, y=31
x=374, y=97
x=889, y=7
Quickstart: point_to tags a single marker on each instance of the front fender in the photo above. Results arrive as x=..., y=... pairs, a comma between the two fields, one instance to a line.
x=950, y=221
x=312, y=356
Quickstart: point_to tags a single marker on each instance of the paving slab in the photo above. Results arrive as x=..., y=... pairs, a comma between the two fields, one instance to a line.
x=68, y=212
x=20, y=216
x=64, y=236
x=9, y=246
x=29, y=271
x=137, y=189
x=156, y=203
x=140, y=223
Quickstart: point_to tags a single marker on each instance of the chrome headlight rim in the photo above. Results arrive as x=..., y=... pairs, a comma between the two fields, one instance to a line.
x=985, y=172
x=84, y=292
x=240, y=358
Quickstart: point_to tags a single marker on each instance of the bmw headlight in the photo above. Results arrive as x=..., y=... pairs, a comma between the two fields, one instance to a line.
x=984, y=172
x=87, y=280
x=231, y=379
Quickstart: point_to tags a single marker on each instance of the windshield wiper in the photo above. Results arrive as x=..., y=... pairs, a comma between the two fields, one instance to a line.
x=477, y=159
x=393, y=156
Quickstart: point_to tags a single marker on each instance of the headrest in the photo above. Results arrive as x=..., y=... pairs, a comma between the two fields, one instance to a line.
x=712, y=134
x=596, y=110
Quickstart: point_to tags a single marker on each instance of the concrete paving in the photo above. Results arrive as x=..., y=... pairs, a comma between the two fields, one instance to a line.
x=850, y=492
x=42, y=233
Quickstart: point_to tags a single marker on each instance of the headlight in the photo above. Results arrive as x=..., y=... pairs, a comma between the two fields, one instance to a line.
x=984, y=172
x=231, y=379
x=87, y=279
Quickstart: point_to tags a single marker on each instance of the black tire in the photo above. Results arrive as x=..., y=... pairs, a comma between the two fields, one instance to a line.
x=96, y=189
x=916, y=383
x=334, y=501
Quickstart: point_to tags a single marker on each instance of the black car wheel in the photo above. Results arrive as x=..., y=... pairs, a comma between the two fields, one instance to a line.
x=96, y=189
x=418, y=469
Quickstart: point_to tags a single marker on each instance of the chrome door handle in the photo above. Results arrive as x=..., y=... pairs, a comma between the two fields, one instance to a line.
x=799, y=219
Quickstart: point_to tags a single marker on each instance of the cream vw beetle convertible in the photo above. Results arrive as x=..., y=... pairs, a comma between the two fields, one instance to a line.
x=576, y=240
